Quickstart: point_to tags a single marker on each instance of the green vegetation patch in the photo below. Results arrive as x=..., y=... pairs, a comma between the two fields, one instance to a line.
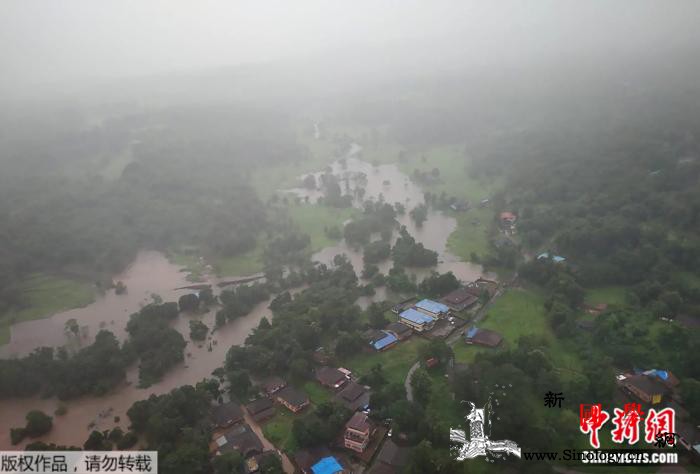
x=191, y=263
x=442, y=406
x=317, y=394
x=612, y=295
x=278, y=430
x=520, y=312
x=248, y=263
x=314, y=219
x=472, y=233
x=46, y=295
x=395, y=361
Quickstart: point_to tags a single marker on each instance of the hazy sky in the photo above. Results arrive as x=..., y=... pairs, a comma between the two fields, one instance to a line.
x=43, y=41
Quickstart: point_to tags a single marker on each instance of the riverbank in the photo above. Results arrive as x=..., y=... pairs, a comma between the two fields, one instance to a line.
x=45, y=295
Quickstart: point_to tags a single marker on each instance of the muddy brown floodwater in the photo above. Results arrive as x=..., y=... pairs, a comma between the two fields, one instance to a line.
x=151, y=273
x=394, y=186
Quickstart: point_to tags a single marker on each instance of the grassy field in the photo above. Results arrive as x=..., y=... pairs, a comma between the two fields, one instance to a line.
x=454, y=176
x=46, y=295
x=317, y=394
x=278, y=430
x=472, y=233
x=606, y=294
x=313, y=219
x=245, y=264
x=442, y=406
x=517, y=313
x=191, y=263
x=395, y=361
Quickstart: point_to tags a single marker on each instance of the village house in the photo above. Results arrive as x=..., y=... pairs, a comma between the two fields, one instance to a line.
x=646, y=388
x=354, y=396
x=295, y=400
x=272, y=385
x=401, y=331
x=226, y=415
x=261, y=409
x=358, y=431
x=331, y=377
x=666, y=377
x=306, y=458
x=240, y=438
x=403, y=305
x=392, y=459
x=385, y=341
x=460, y=299
x=508, y=218
x=432, y=308
x=327, y=465
x=482, y=337
x=416, y=320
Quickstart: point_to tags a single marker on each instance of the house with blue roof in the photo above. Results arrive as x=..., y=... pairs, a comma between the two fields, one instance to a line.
x=385, y=342
x=416, y=320
x=327, y=465
x=432, y=308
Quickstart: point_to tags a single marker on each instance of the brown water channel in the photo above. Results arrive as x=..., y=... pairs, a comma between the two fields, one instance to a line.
x=151, y=273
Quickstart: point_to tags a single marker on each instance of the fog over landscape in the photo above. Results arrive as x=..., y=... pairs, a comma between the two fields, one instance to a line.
x=294, y=236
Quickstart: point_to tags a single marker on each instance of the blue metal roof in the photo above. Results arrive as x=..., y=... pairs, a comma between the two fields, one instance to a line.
x=471, y=331
x=662, y=374
x=387, y=340
x=416, y=316
x=432, y=306
x=327, y=465
x=555, y=259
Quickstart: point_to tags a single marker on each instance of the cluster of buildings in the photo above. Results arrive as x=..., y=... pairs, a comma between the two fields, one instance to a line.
x=660, y=389
x=360, y=437
x=422, y=315
x=232, y=433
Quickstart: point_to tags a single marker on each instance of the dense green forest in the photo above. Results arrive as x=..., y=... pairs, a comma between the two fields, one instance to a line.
x=186, y=183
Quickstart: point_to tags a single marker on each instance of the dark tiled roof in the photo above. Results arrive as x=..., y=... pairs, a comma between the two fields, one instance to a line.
x=227, y=413
x=460, y=296
x=486, y=337
x=352, y=391
x=648, y=385
x=329, y=376
x=358, y=422
x=242, y=439
x=393, y=455
x=272, y=384
x=259, y=405
x=399, y=329
x=292, y=396
x=305, y=458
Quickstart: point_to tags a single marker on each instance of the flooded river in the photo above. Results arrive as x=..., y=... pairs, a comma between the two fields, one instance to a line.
x=389, y=183
x=151, y=273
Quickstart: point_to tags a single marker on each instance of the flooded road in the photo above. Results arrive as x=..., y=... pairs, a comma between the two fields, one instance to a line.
x=151, y=273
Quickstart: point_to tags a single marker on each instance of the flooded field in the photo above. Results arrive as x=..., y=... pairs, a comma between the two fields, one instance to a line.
x=387, y=182
x=151, y=273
